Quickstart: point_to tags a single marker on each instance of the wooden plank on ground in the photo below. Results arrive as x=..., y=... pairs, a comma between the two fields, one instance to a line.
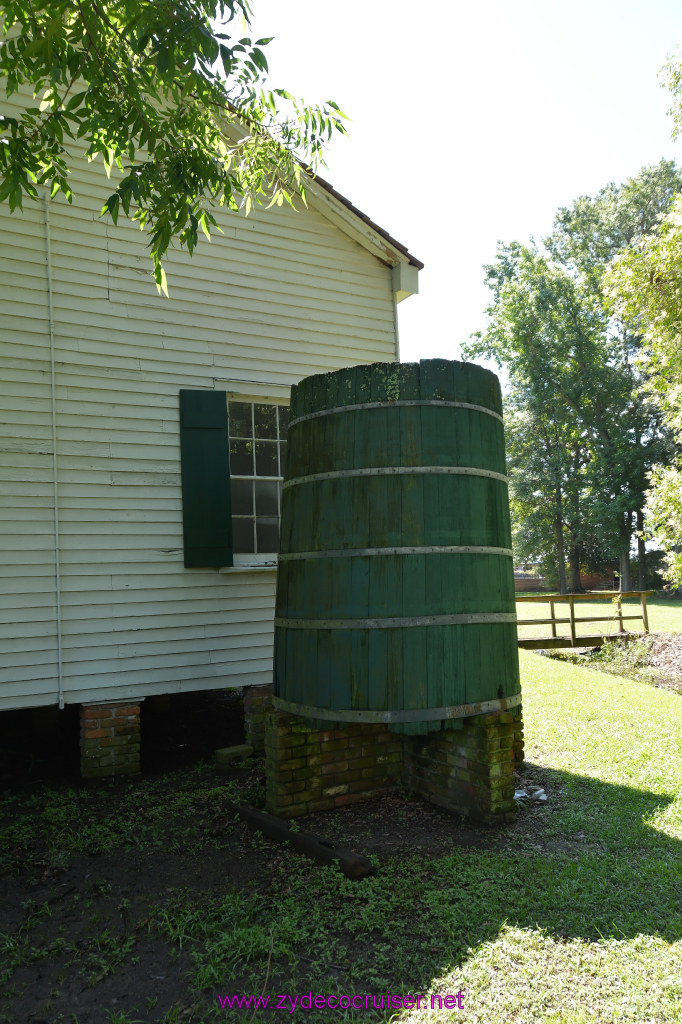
x=353, y=865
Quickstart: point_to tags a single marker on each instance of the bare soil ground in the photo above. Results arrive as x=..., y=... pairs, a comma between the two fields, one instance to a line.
x=665, y=661
x=97, y=883
x=655, y=659
x=114, y=899
x=86, y=933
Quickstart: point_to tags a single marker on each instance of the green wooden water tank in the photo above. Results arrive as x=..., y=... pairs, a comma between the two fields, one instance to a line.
x=395, y=591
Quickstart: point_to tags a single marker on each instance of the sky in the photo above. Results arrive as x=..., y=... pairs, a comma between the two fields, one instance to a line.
x=474, y=122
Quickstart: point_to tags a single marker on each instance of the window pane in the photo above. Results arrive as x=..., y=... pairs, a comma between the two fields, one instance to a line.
x=242, y=497
x=241, y=458
x=242, y=535
x=265, y=421
x=239, y=419
x=258, y=447
x=266, y=458
x=266, y=498
x=267, y=535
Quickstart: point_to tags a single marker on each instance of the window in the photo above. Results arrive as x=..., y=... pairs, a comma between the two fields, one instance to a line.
x=258, y=442
x=232, y=454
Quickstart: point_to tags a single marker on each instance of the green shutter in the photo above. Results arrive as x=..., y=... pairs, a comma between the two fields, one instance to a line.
x=205, y=463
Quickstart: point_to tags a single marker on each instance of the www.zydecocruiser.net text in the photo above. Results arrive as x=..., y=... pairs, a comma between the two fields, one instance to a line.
x=308, y=1001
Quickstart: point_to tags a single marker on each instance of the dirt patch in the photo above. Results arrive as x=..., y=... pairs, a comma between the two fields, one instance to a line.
x=665, y=660
x=655, y=659
x=113, y=897
x=135, y=901
x=100, y=884
x=396, y=826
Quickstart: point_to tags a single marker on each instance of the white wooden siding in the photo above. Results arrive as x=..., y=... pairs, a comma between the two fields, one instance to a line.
x=278, y=296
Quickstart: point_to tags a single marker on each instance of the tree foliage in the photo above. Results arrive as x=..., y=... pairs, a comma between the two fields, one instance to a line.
x=644, y=285
x=645, y=288
x=153, y=87
x=664, y=517
x=671, y=78
x=537, y=465
x=576, y=381
x=589, y=233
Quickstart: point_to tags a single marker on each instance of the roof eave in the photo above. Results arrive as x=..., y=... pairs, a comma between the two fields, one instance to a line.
x=387, y=248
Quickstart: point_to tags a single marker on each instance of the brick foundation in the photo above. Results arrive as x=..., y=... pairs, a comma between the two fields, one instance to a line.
x=314, y=770
x=257, y=704
x=468, y=770
x=518, y=745
x=110, y=739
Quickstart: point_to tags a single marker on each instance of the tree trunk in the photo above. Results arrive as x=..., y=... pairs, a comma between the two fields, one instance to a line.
x=574, y=528
x=574, y=584
x=643, y=582
x=559, y=540
x=625, y=564
x=625, y=571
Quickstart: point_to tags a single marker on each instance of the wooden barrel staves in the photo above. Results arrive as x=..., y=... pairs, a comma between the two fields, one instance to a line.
x=395, y=591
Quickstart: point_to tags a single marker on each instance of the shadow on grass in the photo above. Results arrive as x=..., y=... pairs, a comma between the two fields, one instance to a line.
x=588, y=866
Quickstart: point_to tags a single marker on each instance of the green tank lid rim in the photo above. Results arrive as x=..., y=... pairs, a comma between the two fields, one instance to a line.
x=447, y=380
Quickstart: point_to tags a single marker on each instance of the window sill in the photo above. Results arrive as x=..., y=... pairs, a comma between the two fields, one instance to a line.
x=254, y=567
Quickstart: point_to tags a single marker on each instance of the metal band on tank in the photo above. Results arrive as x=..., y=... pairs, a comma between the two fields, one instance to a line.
x=403, y=715
x=339, y=474
x=400, y=404
x=398, y=622
x=427, y=549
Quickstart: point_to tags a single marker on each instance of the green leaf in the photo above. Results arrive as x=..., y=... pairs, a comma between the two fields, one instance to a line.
x=111, y=207
x=76, y=100
x=258, y=58
x=141, y=76
x=163, y=58
x=34, y=48
x=160, y=278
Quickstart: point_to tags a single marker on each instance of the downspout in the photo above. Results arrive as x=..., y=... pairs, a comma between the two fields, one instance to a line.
x=404, y=282
x=55, y=473
x=395, y=329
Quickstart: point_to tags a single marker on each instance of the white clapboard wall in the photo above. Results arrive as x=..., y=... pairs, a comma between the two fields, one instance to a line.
x=278, y=296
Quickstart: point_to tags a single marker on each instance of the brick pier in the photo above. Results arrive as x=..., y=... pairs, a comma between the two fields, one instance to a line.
x=257, y=704
x=468, y=769
x=110, y=739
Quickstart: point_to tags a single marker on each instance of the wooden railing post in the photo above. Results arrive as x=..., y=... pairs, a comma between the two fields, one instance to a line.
x=558, y=639
x=571, y=605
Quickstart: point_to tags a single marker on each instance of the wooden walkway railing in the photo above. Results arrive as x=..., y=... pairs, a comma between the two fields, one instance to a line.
x=575, y=639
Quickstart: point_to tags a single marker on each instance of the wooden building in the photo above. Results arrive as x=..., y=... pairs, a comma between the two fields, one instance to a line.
x=98, y=602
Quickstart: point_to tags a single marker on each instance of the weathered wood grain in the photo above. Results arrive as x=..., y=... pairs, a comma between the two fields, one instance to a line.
x=384, y=545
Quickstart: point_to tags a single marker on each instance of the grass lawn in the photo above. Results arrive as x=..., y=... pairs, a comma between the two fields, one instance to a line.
x=588, y=893
x=665, y=616
x=573, y=914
